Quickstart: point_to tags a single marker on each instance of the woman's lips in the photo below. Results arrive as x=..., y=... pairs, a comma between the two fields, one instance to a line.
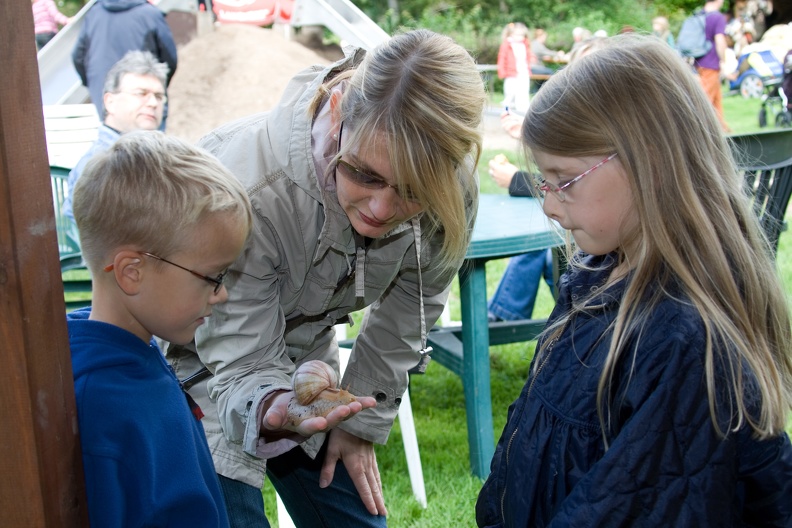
x=371, y=221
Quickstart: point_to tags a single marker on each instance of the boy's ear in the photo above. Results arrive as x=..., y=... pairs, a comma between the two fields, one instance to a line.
x=128, y=269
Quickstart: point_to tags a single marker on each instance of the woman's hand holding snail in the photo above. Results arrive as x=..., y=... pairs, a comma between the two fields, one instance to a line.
x=315, y=403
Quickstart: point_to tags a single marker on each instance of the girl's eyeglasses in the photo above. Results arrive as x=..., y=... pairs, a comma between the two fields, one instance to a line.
x=369, y=181
x=544, y=186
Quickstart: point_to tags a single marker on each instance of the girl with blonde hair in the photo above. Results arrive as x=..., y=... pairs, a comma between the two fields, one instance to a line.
x=660, y=389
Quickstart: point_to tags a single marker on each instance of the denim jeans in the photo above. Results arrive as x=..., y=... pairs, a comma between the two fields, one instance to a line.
x=244, y=504
x=296, y=478
x=516, y=294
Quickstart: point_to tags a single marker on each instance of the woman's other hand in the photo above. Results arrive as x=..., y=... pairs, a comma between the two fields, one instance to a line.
x=361, y=464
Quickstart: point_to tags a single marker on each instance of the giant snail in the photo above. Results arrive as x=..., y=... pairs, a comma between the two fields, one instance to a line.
x=315, y=384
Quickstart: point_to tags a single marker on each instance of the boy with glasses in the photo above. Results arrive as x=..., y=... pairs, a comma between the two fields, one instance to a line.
x=160, y=222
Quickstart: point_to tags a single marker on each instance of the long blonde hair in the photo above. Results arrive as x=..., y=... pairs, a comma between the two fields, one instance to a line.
x=697, y=230
x=424, y=93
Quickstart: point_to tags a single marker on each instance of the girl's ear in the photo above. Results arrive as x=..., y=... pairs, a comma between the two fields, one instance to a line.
x=129, y=269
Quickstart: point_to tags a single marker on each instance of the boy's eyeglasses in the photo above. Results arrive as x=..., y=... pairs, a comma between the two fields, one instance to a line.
x=217, y=282
x=544, y=186
x=369, y=181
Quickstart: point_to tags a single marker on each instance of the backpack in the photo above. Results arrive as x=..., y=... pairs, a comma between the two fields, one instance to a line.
x=692, y=40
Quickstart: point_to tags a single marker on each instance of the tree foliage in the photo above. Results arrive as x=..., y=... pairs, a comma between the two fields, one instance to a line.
x=477, y=24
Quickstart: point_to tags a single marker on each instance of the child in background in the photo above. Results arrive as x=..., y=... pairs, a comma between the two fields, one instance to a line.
x=46, y=19
x=160, y=221
x=662, y=30
x=514, y=67
x=661, y=385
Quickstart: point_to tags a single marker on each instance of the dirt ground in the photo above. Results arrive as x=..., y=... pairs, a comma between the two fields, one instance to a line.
x=231, y=71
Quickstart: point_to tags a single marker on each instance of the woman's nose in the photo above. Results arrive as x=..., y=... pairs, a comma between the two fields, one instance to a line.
x=384, y=204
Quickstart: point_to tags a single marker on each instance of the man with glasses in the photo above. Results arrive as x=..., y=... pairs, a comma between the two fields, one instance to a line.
x=134, y=98
x=110, y=29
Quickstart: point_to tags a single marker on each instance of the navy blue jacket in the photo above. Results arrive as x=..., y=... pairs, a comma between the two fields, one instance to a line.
x=145, y=455
x=112, y=28
x=666, y=465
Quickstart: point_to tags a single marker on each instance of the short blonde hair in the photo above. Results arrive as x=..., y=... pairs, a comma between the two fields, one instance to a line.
x=422, y=91
x=147, y=190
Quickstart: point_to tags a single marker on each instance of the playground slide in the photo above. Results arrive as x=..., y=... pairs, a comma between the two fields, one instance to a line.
x=341, y=17
x=59, y=81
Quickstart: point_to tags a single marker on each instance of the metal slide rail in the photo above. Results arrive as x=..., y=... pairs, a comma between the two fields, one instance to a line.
x=341, y=17
x=59, y=81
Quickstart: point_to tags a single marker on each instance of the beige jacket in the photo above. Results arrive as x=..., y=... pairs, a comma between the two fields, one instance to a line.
x=300, y=273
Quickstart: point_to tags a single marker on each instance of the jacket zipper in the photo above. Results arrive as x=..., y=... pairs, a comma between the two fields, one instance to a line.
x=550, y=349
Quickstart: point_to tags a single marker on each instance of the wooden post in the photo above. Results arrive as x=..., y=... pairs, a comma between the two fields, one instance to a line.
x=40, y=463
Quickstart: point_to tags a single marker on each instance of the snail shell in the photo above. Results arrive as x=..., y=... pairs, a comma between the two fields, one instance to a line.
x=311, y=378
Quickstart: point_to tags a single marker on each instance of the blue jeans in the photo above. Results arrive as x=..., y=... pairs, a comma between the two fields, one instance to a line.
x=516, y=294
x=296, y=478
x=244, y=504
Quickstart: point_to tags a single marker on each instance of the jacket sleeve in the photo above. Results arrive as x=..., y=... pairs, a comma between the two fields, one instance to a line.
x=80, y=52
x=167, y=47
x=388, y=347
x=389, y=341
x=242, y=343
x=503, y=58
x=520, y=184
x=59, y=17
x=667, y=466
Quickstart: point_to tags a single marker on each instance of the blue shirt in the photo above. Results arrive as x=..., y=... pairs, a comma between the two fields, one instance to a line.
x=145, y=456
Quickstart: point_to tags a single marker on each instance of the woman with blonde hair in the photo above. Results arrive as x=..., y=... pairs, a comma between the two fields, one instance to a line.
x=363, y=181
x=661, y=386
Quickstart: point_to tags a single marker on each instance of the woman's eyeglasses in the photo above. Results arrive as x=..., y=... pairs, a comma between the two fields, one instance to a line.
x=544, y=186
x=369, y=181
x=217, y=282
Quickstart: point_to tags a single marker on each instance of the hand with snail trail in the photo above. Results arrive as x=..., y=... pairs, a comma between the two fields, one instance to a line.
x=276, y=419
x=315, y=404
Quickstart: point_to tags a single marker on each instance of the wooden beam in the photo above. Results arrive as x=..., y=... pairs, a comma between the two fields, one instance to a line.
x=40, y=462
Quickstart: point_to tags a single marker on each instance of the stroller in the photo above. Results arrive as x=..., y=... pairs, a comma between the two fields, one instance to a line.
x=776, y=103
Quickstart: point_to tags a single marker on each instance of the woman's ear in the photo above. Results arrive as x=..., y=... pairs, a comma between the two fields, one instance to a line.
x=335, y=108
x=129, y=270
